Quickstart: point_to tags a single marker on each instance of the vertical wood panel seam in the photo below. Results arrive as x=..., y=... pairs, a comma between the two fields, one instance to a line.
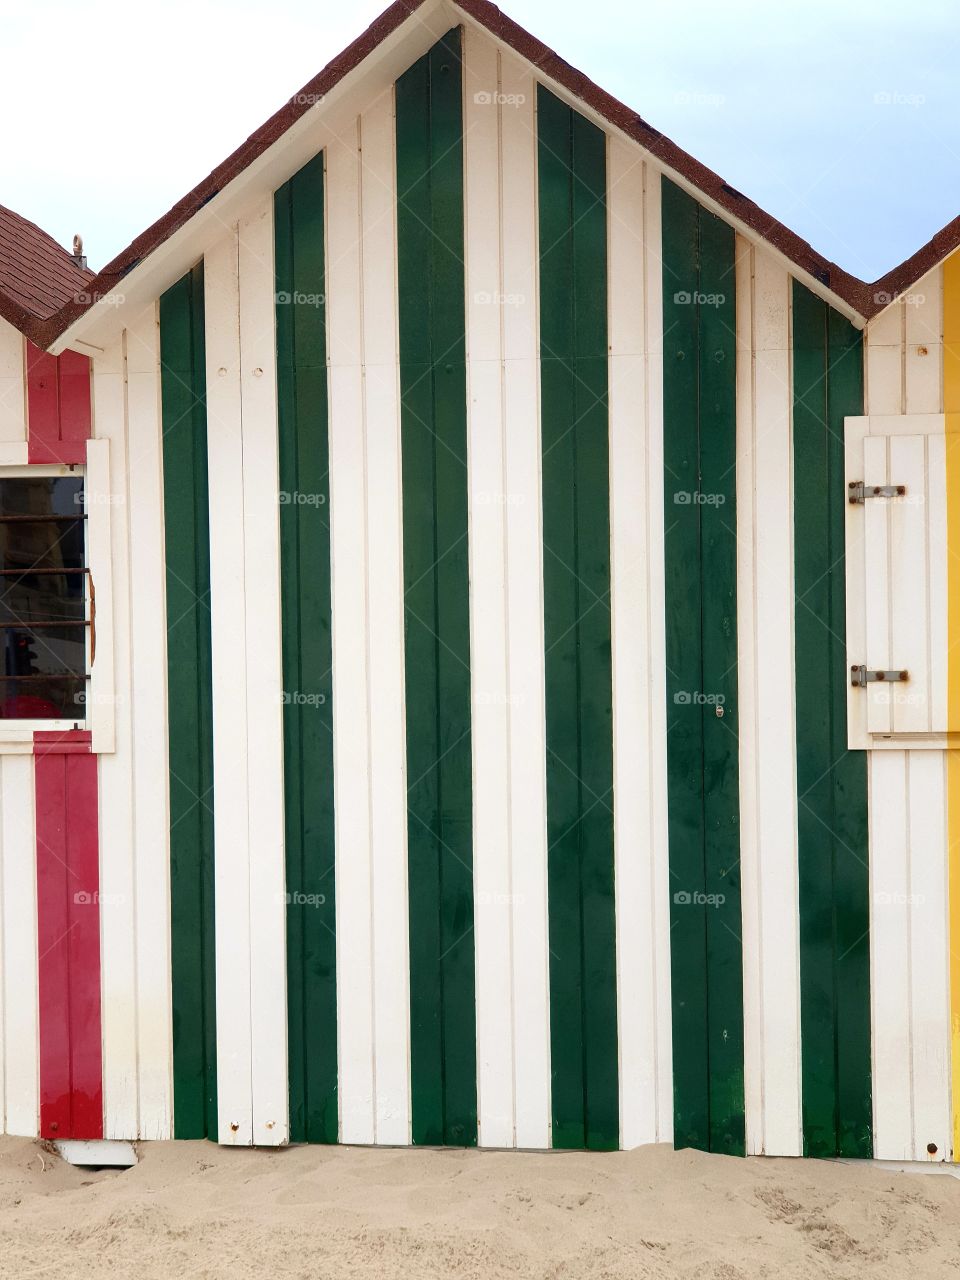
x=792, y=694
x=755, y=679
x=131, y=657
x=649, y=692
x=655, y=625
x=399, y=582
x=505, y=568
x=469, y=358
x=242, y=513
x=166, y=1125
x=541, y=601
x=364, y=431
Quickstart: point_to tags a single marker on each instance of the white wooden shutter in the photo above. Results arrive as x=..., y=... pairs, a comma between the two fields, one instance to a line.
x=896, y=568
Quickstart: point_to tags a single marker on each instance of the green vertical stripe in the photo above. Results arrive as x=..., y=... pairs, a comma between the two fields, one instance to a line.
x=576, y=584
x=831, y=781
x=436, y=596
x=189, y=706
x=307, y=654
x=699, y=399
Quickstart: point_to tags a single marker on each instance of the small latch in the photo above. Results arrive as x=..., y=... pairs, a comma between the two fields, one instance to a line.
x=860, y=677
x=858, y=492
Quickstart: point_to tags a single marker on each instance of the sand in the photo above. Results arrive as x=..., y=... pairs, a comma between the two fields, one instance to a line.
x=192, y=1209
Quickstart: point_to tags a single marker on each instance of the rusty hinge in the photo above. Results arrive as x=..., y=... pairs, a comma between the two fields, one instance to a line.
x=858, y=492
x=860, y=677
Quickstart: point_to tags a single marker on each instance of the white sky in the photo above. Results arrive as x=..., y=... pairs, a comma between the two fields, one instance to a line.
x=840, y=117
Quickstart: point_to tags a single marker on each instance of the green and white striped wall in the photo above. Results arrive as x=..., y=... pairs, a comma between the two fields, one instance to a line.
x=502, y=500
x=495, y=729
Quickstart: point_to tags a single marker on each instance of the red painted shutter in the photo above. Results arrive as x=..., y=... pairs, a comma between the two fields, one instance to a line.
x=58, y=406
x=68, y=917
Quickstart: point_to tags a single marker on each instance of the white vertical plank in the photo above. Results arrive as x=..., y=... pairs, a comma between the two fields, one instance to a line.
x=117, y=866
x=524, y=587
x=929, y=954
x=355, y=994
x=19, y=1030
x=656, y=607
x=488, y=622
x=876, y=537
x=776, y=715
x=636, y=946
x=264, y=678
x=750, y=870
x=886, y=330
x=924, y=317
x=13, y=402
x=923, y=339
x=228, y=612
x=890, y=955
x=884, y=378
x=147, y=691
x=385, y=663
x=768, y=729
x=909, y=613
x=884, y=382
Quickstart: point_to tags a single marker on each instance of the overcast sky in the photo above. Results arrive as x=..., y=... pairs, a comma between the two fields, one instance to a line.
x=840, y=117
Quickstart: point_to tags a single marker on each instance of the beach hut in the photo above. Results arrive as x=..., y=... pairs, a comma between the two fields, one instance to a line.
x=477, y=612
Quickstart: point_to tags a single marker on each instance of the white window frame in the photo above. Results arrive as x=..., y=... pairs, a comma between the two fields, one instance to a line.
x=16, y=736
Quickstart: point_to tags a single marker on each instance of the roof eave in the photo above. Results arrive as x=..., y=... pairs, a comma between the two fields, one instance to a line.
x=12, y=311
x=169, y=247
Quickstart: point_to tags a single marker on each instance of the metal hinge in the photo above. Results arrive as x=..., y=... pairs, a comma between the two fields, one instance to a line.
x=858, y=492
x=860, y=677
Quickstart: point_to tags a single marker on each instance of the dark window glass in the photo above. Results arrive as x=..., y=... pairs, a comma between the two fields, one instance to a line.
x=43, y=599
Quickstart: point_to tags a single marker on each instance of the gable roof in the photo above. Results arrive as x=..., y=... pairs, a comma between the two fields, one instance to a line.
x=862, y=298
x=37, y=275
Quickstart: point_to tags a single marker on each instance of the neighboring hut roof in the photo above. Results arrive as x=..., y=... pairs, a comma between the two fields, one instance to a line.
x=38, y=277
x=50, y=314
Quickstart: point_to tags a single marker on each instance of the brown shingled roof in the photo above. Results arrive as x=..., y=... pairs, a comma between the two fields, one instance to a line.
x=37, y=275
x=865, y=299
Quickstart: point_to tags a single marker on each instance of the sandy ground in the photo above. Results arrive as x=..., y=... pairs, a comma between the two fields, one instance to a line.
x=192, y=1209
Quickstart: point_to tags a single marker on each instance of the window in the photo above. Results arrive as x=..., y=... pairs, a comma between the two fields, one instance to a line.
x=46, y=599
